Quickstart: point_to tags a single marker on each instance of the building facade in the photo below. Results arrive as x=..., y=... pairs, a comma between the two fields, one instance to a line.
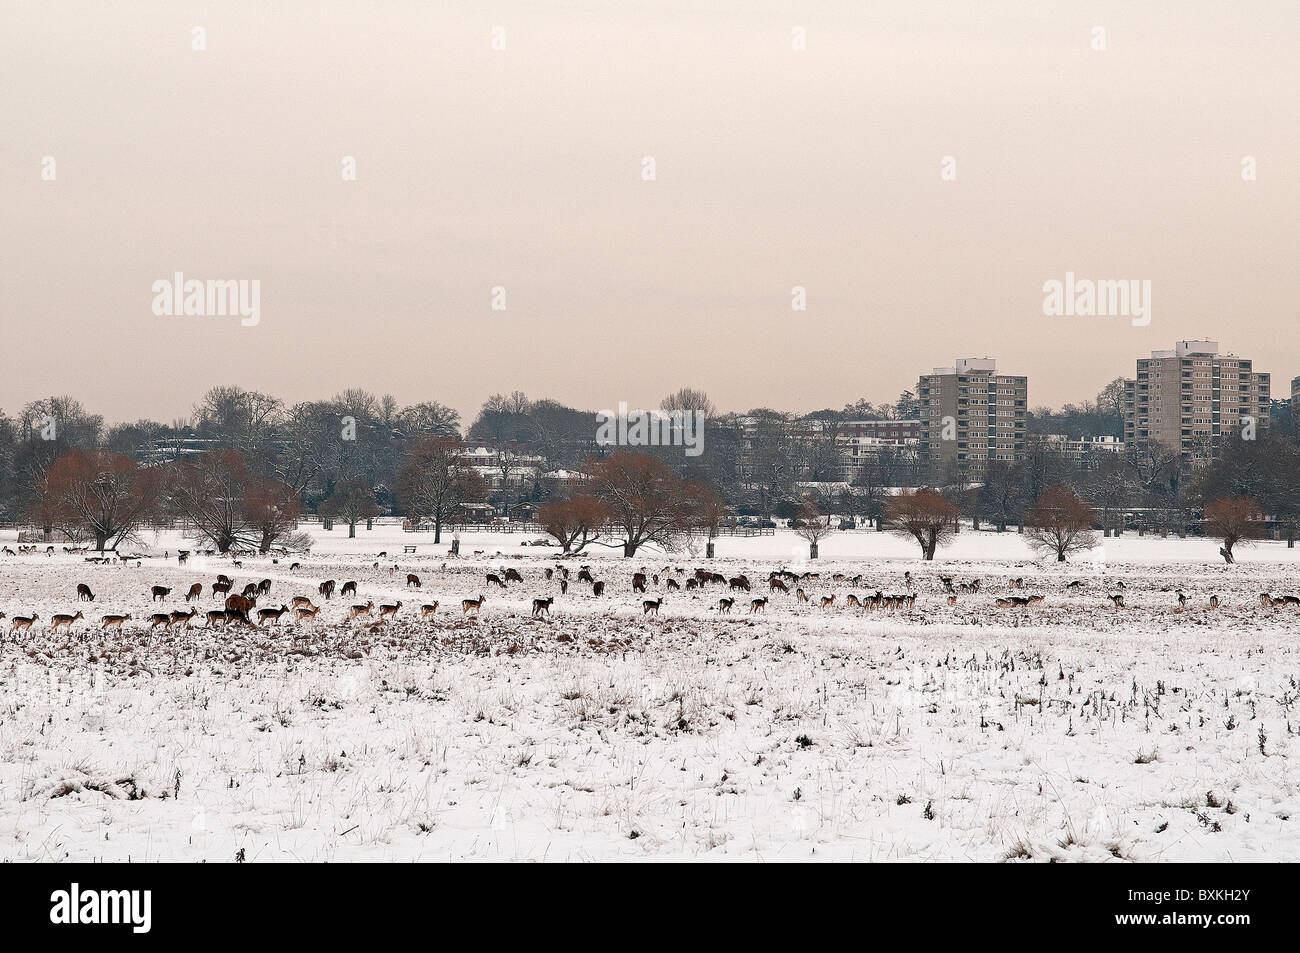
x=1188, y=399
x=971, y=414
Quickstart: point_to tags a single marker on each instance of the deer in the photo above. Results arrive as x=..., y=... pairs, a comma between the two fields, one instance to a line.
x=724, y=606
x=800, y=594
x=349, y=588
x=827, y=602
x=389, y=609
x=472, y=605
x=64, y=621
x=251, y=591
x=305, y=614
x=1182, y=600
x=302, y=602
x=1214, y=602
x=356, y=611
x=195, y=592
x=215, y=616
x=852, y=600
x=584, y=575
x=84, y=594
x=326, y=589
x=758, y=605
x=1118, y=600
x=22, y=623
x=163, y=619
x=113, y=622
x=159, y=593
x=564, y=587
x=776, y=585
x=182, y=556
x=651, y=606
x=542, y=605
x=638, y=582
x=183, y=618
x=220, y=589
x=493, y=578
x=598, y=587
x=264, y=587
x=952, y=600
x=238, y=607
x=272, y=614
x=512, y=575
x=427, y=610
x=412, y=580
x=674, y=585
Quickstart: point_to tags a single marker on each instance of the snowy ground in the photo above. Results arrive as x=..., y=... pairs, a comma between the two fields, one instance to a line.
x=1073, y=731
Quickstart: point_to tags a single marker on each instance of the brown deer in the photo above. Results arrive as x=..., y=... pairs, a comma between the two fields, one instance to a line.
x=300, y=602
x=239, y=607
x=827, y=602
x=542, y=605
x=196, y=591
x=220, y=589
x=349, y=588
x=215, y=616
x=388, y=609
x=758, y=605
x=472, y=605
x=326, y=589
x=183, y=618
x=159, y=593
x=412, y=580
x=512, y=575
x=84, y=594
x=1214, y=602
x=674, y=584
x=651, y=606
x=271, y=614
x=22, y=623
x=356, y=611
x=801, y=595
x=598, y=587
x=113, y=621
x=638, y=582
x=1118, y=600
x=724, y=605
x=305, y=614
x=493, y=578
x=739, y=583
x=776, y=585
x=163, y=619
x=264, y=587
x=64, y=621
x=428, y=609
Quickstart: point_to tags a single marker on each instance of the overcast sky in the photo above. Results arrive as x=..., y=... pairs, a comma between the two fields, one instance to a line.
x=522, y=168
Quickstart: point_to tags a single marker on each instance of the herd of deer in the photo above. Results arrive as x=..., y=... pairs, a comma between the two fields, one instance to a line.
x=242, y=607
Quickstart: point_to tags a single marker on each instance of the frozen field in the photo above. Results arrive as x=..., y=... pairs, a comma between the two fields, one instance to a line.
x=1071, y=731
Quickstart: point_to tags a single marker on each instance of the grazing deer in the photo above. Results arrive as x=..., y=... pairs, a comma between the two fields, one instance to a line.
x=64, y=621
x=427, y=610
x=163, y=619
x=113, y=621
x=305, y=614
x=776, y=585
x=355, y=611
x=183, y=618
x=195, y=592
x=412, y=580
x=1017, y=583
x=852, y=600
x=1033, y=600
x=598, y=588
x=692, y=583
x=301, y=602
x=758, y=605
x=638, y=582
x=349, y=588
x=251, y=591
x=326, y=589
x=493, y=578
x=389, y=608
x=1118, y=599
x=1075, y=586
x=1265, y=600
x=724, y=605
x=238, y=607
x=159, y=593
x=542, y=605
x=272, y=614
x=739, y=583
x=215, y=616
x=472, y=605
x=651, y=606
x=84, y=594
x=512, y=575
x=264, y=587
x=584, y=575
x=674, y=584
x=22, y=623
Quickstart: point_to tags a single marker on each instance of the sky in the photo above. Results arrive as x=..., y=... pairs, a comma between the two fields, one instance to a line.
x=1113, y=155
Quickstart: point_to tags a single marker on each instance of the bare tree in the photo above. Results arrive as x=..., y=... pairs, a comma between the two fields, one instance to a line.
x=690, y=400
x=208, y=489
x=352, y=501
x=648, y=503
x=926, y=516
x=574, y=522
x=105, y=495
x=813, y=526
x=1060, y=523
x=436, y=481
x=271, y=510
x=1234, y=519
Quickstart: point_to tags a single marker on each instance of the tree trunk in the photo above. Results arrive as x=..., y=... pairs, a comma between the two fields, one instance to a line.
x=812, y=550
x=629, y=549
x=1060, y=556
x=437, y=532
x=708, y=550
x=1226, y=552
x=266, y=542
x=352, y=530
x=100, y=540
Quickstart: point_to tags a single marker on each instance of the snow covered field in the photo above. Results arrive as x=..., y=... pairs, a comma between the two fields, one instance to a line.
x=1069, y=731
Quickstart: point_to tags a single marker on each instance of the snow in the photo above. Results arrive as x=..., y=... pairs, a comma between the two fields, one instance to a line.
x=1072, y=731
